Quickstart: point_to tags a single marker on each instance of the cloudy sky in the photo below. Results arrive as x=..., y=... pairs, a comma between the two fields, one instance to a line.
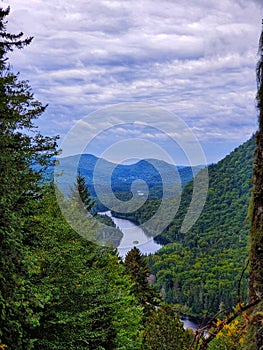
x=195, y=59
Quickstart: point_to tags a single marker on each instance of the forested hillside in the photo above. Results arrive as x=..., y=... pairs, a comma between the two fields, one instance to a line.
x=201, y=269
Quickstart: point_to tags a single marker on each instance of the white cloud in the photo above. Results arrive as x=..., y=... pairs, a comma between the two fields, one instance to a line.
x=196, y=59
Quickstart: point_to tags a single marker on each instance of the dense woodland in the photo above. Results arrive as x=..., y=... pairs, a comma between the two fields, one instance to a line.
x=200, y=270
x=61, y=291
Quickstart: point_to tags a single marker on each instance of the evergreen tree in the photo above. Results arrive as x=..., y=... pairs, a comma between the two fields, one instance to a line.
x=77, y=208
x=23, y=151
x=165, y=331
x=255, y=331
x=138, y=269
x=81, y=196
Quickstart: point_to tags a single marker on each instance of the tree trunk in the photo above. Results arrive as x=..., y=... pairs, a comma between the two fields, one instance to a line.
x=255, y=329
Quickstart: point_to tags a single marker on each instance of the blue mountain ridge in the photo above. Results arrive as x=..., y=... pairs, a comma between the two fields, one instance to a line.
x=154, y=172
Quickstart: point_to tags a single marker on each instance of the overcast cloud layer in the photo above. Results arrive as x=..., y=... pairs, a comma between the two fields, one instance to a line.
x=194, y=58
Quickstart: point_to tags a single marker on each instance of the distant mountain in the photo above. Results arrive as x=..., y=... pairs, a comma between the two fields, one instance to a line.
x=152, y=171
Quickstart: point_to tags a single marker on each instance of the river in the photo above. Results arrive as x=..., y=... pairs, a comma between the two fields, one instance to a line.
x=133, y=235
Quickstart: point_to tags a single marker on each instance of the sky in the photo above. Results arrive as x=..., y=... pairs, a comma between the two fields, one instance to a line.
x=99, y=64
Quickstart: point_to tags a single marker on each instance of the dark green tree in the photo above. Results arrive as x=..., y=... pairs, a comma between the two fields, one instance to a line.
x=139, y=271
x=78, y=208
x=255, y=330
x=165, y=331
x=24, y=156
x=81, y=195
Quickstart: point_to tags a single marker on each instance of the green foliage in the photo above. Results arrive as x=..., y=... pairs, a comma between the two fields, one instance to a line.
x=81, y=196
x=20, y=189
x=87, y=299
x=165, y=331
x=201, y=269
x=138, y=269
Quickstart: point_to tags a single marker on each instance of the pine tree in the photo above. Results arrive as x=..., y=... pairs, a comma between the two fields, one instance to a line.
x=80, y=194
x=165, y=331
x=139, y=271
x=23, y=151
x=78, y=209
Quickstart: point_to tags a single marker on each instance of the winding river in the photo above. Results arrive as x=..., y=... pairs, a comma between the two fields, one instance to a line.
x=133, y=235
